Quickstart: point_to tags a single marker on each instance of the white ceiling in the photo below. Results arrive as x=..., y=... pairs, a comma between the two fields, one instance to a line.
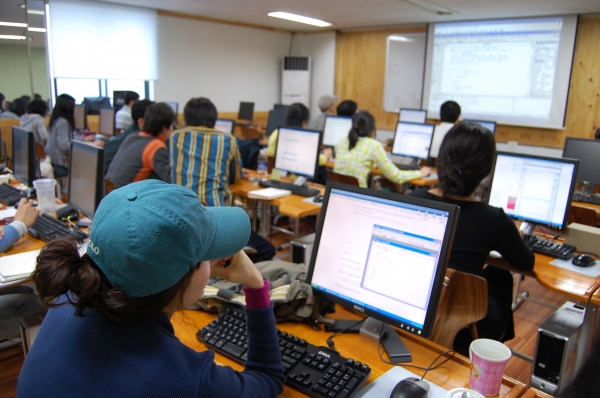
x=343, y=14
x=11, y=11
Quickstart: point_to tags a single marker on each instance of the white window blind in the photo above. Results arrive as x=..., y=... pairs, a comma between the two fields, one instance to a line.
x=102, y=40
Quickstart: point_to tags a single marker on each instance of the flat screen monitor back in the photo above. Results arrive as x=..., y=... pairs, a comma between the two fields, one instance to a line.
x=225, y=125
x=94, y=104
x=79, y=117
x=336, y=128
x=246, y=111
x=280, y=107
x=174, y=106
x=107, y=122
x=534, y=189
x=276, y=119
x=485, y=123
x=588, y=153
x=119, y=99
x=298, y=151
x=413, y=140
x=86, y=177
x=25, y=164
x=412, y=115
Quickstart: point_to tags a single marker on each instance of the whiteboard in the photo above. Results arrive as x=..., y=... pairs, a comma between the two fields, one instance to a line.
x=404, y=71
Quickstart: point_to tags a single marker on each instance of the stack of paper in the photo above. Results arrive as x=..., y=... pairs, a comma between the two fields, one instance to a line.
x=17, y=266
x=269, y=193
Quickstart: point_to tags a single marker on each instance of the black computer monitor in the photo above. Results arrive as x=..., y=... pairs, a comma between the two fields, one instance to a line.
x=246, y=111
x=588, y=153
x=298, y=151
x=79, y=117
x=384, y=255
x=413, y=140
x=412, y=115
x=25, y=163
x=533, y=189
x=336, y=128
x=225, y=125
x=107, y=122
x=275, y=120
x=280, y=107
x=86, y=177
x=488, y=124
x=174, y=106
x=94, y=104
x=119, y=99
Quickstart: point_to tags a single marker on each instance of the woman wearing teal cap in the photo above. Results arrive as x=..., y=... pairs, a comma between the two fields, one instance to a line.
x=108, y=333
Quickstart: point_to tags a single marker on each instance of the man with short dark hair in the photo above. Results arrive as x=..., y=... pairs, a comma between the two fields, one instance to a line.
x=202, y=158
x=144, y=155
x=123, y=116
x=347, y=108
x=449, y=114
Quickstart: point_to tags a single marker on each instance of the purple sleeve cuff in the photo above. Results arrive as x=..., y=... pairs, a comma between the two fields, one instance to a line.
x=258, y=298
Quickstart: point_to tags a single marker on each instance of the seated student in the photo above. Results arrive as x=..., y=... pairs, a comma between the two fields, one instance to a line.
x=358, y=153
x=123, y=118
x=60, y=133
x=449, y=114
x=347, y=108
x=34, y=121
x=466, y=157
x=327, y=107
x=112, y=146
x=4, y=112
x=152, y=249
x=17, y=301
x=145, y=155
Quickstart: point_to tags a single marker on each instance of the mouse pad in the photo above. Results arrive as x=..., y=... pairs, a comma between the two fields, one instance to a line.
x=311, y=201
x=382, y=386
x=592, y=271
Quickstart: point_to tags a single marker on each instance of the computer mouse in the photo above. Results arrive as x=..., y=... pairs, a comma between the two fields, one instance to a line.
x=584, y=260
x=411, y=387
x=318, y=199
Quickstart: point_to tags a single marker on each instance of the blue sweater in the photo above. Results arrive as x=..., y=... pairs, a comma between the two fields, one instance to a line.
x=11, y=235
x=91, y=357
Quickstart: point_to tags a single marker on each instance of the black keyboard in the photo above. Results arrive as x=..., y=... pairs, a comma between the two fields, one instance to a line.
x=301, y=190
x=579, y=197
x=314, y=371
x=549, y=248
x=11, y=195
x=48, y=228
x=408, y=167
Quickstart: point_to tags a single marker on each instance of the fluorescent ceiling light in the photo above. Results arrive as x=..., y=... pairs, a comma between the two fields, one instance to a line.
x=16, y=24
x=401, y=38
x=43, y=30
x=430, y=7
x=299, y=18
x=12, y=37
x=36, y=12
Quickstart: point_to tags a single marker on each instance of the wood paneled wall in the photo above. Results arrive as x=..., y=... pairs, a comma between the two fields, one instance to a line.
x=360, y=75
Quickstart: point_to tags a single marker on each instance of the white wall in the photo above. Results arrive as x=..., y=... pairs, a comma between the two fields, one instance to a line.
x=224, y=63
x=321, y=48
x=14, y=71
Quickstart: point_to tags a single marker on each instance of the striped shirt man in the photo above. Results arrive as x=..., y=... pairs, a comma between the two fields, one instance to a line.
x=206, y=161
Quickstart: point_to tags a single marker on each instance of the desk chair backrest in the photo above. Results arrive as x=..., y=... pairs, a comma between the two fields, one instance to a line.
x=109, y=186
x=464, y=301
x=582, y=215
x=344, y=179
x=39, y=151
x=270, y=163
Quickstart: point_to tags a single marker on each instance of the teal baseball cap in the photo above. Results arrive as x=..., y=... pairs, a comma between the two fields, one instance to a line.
x=146, y=235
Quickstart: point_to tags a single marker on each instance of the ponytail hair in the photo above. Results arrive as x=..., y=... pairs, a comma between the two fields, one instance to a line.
x=363, y=125
x=61, y=271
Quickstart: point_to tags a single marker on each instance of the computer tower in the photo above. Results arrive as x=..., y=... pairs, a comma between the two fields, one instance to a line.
x=555, y=359
x=302, y=249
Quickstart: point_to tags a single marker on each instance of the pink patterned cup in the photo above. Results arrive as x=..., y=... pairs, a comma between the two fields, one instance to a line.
x=488, y=359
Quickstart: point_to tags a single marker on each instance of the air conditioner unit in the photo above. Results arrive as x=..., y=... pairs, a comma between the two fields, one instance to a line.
x=295, y=80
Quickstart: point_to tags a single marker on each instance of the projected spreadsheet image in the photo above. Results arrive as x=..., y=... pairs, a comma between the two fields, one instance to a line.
x=496, y=67
x=412, y=140
x=534, y=189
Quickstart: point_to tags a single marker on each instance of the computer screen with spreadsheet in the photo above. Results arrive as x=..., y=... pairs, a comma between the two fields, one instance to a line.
x=485, y=123
x=533, y=188
x=412, y=115
x=413, y=139
x=383, y=254
x=298, y=151
x=86, y=177
x=225, y=125
x=336, y=128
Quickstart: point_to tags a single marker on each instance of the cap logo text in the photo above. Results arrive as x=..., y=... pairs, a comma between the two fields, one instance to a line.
x=95, y=249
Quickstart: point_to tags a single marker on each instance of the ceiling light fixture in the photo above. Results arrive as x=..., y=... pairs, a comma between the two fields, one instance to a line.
x=299, y=18
x=430, y=7
x=43, y=30
x=12, y=37
x=15, y=24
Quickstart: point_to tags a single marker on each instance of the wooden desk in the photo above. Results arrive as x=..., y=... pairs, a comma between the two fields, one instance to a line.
x=592, y=206
x=533, y=393
x=453, y=374
x=420, y=182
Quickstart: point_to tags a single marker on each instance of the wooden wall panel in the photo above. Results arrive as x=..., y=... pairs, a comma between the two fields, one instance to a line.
x=360, y=75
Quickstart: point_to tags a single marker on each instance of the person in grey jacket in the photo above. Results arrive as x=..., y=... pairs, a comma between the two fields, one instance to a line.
x=60, y=133
x=34, y=121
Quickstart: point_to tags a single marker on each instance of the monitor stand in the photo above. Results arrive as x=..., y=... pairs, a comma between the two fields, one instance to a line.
x=409, y=163
x=587, y=190
x=527, y=228
x=371, y=329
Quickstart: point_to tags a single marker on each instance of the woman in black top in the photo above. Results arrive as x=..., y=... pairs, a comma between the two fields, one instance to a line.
x=466, y=157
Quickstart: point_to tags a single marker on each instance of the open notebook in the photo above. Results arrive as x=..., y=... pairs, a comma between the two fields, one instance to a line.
x=17, y=266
